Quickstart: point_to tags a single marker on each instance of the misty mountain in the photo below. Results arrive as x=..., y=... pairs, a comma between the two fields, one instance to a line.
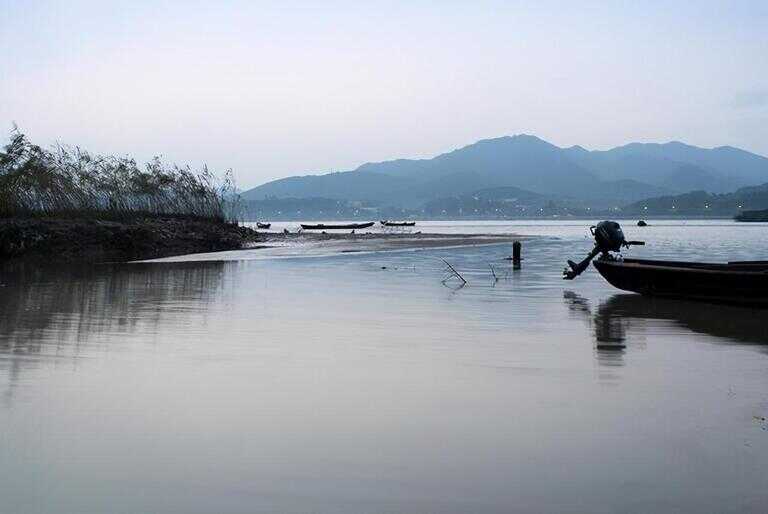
x=676, y=166
x=612, y=177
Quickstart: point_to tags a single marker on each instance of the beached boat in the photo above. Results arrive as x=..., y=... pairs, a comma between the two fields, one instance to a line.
x=744, y=282
x=348, y=226
x=263, y=225
x=388, y=223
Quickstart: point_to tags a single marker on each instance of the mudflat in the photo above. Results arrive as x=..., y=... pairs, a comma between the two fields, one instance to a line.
x=315, y=244
x=379, y=241
x=93, y=240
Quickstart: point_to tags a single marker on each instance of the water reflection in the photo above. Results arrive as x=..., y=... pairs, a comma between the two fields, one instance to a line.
x=729, y=322
x=81, y=302
x=609, y=331
x=48, y=313
x=624, y=316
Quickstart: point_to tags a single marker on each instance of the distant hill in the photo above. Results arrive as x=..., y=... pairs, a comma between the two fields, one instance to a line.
x=676, y=166
x=701, y=203
x=606, y=178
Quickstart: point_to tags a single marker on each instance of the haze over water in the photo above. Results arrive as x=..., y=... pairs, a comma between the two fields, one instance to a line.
x=360, y=383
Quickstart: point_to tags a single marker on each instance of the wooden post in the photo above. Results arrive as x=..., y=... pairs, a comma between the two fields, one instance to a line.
x=517, y=248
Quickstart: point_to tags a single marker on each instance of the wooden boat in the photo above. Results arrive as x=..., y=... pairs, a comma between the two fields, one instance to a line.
x=348, y=226
x=387, y=223
x=744, y=282
x=734, y=282
x=263, y=225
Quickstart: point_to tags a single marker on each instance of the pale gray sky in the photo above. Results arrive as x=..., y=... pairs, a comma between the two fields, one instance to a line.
x=272, y=89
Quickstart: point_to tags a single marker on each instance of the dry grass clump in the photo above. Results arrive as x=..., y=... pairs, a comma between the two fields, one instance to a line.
x=67, y=182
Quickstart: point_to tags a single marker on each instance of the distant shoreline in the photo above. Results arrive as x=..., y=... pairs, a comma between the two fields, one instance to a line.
x=598, y=215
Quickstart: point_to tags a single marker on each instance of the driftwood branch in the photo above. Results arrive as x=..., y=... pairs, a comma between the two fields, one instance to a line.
x=454, y=272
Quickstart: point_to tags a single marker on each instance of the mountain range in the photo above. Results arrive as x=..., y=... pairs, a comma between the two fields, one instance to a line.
x=617, y=176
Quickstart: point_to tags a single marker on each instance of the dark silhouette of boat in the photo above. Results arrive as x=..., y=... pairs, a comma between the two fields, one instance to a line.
x=348, y=226
x=642, y=223
x=388, y=223
x=263, y=225
x=743, y=282
x=733, y=282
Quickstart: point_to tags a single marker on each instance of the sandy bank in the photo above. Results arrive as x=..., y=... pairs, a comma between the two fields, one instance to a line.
x=374, y=241
x=313, y=244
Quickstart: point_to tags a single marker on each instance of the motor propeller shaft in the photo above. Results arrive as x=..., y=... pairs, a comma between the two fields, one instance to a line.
x=577, y=269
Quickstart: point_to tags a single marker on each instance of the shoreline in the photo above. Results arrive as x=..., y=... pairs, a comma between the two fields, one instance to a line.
x=425, y=239
x=53, y=240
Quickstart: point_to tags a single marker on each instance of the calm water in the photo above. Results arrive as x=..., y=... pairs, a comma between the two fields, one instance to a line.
x=358, y=383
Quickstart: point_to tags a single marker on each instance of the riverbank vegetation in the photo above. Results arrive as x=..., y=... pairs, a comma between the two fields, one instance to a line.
x=66, y=182
x=65, y=203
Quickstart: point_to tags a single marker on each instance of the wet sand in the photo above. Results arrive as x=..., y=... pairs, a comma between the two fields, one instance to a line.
x=318, y=244
x=377, y=241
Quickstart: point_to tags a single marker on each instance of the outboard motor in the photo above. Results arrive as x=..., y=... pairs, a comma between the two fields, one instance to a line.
x=608, y=238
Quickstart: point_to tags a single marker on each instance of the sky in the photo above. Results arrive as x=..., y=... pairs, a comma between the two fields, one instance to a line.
x=273, y=89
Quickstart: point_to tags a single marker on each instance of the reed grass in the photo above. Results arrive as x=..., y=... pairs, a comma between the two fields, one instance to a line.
x=66, y=182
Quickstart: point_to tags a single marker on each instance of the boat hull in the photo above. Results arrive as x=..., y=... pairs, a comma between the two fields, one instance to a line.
x=742, y=283
x=349, y=226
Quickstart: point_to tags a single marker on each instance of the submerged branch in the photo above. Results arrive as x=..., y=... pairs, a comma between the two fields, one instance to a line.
x=454, y=272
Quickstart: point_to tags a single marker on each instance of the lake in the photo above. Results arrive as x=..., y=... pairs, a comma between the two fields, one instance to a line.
x=293, y=380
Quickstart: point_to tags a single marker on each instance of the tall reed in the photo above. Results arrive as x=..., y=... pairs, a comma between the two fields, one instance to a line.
x=70, y=182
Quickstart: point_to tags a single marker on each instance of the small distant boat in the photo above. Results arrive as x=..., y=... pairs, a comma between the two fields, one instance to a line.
x=348, y=226
x=388, y=223
x=752, y=216
x=263, y=225
x=642, y=223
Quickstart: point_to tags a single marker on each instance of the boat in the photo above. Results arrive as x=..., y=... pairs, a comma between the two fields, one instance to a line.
x=387, y=223
x=263, y=225
x=742, y=282
x=642, y=223
x=347, y=226
x=752, y=216
x=732, y=282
